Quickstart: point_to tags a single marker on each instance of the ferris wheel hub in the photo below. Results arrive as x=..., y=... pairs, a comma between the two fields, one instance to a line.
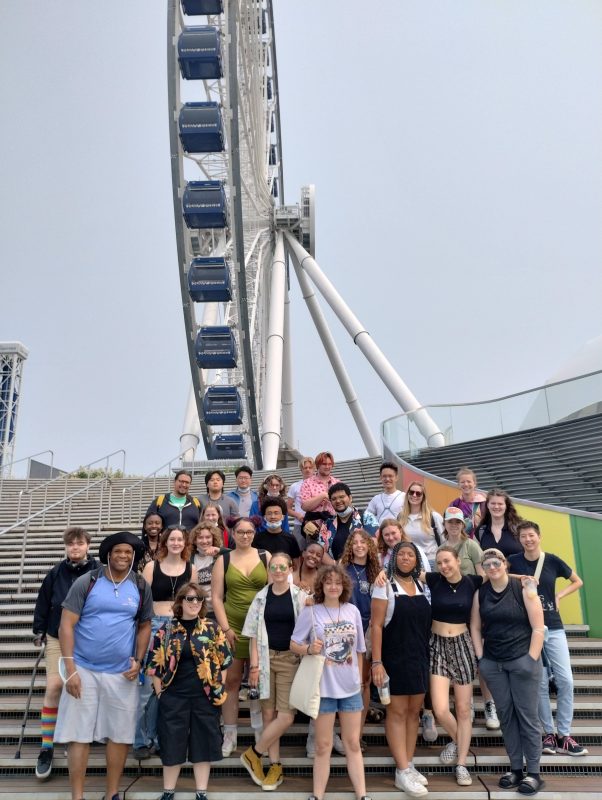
x=300, y=220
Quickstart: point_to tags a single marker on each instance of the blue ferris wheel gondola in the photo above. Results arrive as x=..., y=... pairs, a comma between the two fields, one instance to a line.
x=209, y=280
x=215, y=347
x=222, y=406
x=200, y=53
x=196, y=7
x=204, y=205
x=228, y=445
x=201, y=128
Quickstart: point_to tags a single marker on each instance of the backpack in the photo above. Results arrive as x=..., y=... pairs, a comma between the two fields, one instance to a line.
x=141, y=585
x=161, y=499
x=226, y=557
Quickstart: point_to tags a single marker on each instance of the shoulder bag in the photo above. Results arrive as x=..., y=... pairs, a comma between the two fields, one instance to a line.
x=305, y=689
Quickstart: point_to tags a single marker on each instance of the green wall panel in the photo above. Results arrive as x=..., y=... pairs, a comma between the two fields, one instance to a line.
x=587, y=539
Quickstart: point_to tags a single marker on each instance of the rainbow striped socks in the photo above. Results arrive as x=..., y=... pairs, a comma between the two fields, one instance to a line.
x=48, y=719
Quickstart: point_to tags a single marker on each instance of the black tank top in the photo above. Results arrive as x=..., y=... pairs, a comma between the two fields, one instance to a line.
x=165, y=587
x=505, y=622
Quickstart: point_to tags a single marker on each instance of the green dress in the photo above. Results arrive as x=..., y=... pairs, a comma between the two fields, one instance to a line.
x=240, y=591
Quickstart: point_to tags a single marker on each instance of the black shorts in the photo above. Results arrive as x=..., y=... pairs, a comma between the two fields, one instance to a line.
x=188, y=729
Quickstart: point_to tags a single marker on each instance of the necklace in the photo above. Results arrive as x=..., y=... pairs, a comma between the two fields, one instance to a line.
x=360, y=576
x=454, y=586
x=338, y=617
x=117, y=585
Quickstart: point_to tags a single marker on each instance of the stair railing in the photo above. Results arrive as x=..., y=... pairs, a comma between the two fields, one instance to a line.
x=63, y=500
x=6, y=469
x=129, y=490
x=29, y=493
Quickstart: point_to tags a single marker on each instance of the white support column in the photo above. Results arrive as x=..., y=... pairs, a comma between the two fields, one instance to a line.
x=270, y=439
x=191, y=431
x=336, y=362
x=369, y=348
x=288, y=430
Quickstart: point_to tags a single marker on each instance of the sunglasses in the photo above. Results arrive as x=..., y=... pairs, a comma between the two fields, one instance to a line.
x=415, y=492
x=193, y=598
x=494, y=563
x=278, y=567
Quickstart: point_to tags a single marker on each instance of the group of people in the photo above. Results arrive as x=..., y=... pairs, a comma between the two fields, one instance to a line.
x=153, y=645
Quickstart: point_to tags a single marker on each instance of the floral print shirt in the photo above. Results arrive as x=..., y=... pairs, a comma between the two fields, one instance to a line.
x=210, y=650
x=254, y=628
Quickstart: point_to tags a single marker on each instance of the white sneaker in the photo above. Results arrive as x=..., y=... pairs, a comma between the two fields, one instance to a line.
x=492, y=723
x=310, y=746
x=337, y=744
x=229, y=744
x=449, y=754
x=405, y=780
x=419, y=776
x=429, y=729
x=463, y=776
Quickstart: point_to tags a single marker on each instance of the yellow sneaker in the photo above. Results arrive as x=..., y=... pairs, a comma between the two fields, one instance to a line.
x=273, y=779
x=252, y=763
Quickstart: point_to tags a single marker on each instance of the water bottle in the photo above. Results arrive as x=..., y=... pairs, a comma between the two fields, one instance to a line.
x=384, y=692
x=256, y=718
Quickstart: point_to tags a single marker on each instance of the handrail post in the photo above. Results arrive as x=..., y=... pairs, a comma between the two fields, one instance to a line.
x=100, y=506
x=22, y=564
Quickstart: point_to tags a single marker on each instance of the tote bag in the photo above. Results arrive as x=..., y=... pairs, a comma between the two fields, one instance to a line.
x=305, y=689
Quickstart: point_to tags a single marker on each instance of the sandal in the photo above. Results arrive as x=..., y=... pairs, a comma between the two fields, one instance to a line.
x=530, y=785
x=509, y=780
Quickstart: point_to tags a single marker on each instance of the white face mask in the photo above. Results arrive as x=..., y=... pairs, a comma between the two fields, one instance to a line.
x=273, y=494
x=243, y=490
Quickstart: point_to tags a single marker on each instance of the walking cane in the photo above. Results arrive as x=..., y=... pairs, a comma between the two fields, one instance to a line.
x=26, y=713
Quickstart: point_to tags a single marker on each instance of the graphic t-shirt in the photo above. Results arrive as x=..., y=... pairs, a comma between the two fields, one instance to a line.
x=553, y=568
x=341, y=631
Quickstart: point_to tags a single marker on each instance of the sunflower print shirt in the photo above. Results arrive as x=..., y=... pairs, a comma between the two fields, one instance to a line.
x=210, y=651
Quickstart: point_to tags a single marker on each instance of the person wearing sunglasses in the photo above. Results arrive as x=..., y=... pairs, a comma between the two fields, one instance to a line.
x=420, y=523
x=236, y=578
x=272, y=666
x=507, y=630
x=188, y=721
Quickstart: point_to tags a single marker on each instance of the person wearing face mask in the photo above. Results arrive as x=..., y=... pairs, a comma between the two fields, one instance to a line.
x=46, y=621
x=273, y=487
x=245, y=498
x=335, y=531
x=271, y=535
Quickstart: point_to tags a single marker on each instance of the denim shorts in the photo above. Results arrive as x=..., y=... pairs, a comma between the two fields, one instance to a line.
x=329, y=705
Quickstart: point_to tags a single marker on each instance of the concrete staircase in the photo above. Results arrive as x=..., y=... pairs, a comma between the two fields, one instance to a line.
x=104, y=511
x=558, y=464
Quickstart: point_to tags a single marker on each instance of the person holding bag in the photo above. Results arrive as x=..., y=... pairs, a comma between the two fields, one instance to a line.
x=333, y=628
x=272, y=666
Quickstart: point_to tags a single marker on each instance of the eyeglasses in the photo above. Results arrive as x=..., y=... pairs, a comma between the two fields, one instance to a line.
x=494, y=563
x=193, y=598
x=244, y=533
x=278, y=567
x=415, y=492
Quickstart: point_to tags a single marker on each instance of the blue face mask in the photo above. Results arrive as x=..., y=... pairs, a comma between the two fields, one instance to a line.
x=272, y=526
x=345, y=512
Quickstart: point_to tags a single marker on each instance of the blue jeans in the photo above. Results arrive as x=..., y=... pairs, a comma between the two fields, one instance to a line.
x=146, y=728
x=556, y=649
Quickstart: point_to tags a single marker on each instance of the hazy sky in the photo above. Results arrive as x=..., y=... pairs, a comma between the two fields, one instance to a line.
x=456, y=152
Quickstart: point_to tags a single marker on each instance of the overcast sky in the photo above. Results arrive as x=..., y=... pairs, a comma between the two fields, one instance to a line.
x=456, y=152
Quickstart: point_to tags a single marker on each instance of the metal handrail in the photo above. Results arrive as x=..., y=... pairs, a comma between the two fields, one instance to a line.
x=9, y=467
x=495, y=399
x=139, y=483
x=44, y=486
x=25, y=522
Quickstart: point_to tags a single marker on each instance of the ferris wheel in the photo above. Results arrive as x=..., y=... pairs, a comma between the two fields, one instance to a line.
x=233, y=235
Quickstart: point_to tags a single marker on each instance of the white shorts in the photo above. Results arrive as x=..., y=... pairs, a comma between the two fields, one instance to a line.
x=105, y=710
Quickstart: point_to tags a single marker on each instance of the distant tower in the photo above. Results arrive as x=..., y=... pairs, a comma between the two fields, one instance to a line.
x=12, y=357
